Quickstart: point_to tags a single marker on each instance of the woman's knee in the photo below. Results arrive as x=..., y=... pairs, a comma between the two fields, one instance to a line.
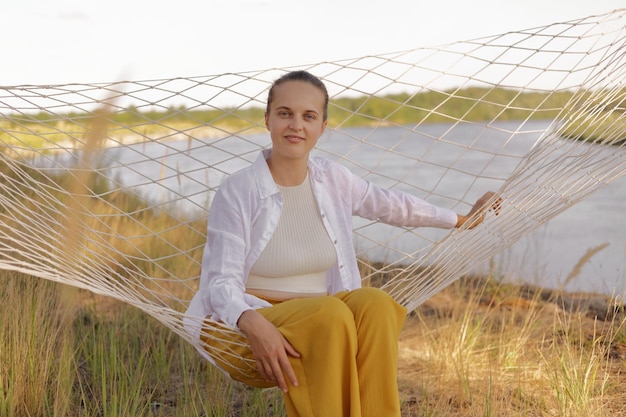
x=335, y=310
x=373, y=305
x=310, y=314
x=332, y=321
x=370, y=298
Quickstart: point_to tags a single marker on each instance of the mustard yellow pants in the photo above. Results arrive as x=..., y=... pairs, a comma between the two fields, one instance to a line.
x=348, y=345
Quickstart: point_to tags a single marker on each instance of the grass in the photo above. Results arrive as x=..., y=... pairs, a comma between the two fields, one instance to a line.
x=478, y=348
x=103, y=358
x=491, y=349
x=33, y=352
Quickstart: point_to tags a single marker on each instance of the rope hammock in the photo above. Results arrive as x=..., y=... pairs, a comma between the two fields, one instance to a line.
x=106, y=186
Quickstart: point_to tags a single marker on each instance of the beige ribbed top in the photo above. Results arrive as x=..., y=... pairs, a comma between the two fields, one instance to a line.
x=299, y=252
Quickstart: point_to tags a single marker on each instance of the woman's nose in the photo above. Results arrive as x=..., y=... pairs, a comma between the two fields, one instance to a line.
x=295, y=123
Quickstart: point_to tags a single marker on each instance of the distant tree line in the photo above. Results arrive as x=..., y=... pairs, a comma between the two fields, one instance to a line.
x=428, y=106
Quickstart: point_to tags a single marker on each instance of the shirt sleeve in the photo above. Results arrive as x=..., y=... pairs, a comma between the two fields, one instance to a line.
x=223, y=262
x=397, y=208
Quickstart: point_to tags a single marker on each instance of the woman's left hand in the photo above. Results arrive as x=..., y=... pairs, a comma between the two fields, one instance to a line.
x=477, y=214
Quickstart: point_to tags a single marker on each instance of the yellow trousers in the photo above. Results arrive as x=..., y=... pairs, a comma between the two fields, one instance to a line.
x=348, y=345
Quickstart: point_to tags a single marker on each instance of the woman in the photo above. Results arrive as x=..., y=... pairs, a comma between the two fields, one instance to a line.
x=279, y=265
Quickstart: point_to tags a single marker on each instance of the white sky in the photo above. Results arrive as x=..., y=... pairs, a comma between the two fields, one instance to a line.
x=72, y=41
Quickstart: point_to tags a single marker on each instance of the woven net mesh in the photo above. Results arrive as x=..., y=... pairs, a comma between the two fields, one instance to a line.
x=106, y=186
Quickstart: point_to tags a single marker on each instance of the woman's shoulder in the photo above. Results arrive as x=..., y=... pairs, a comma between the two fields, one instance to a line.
x=325, y=165
x=238, y=177
x=332, y=172
x=252, y=180
x=248, y=172
x=239, y=183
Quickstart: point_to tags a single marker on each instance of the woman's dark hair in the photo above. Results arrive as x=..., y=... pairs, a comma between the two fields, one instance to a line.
x=304, y=76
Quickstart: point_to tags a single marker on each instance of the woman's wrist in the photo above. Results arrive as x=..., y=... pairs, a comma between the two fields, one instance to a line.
x=244, y=319
x=460, y=220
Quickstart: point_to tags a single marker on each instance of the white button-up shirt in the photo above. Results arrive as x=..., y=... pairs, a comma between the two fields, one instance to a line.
x=244, y=215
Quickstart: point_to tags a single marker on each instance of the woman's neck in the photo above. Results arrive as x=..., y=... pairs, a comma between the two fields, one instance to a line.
x=288, y=173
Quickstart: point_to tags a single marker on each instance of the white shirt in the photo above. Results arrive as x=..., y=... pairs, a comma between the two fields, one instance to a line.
x=245, y=212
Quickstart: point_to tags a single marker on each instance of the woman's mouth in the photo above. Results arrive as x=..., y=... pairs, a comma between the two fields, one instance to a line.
x=294, y=139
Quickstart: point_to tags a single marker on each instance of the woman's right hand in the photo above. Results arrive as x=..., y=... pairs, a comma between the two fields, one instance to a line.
x=269, y=348
x=479, y=210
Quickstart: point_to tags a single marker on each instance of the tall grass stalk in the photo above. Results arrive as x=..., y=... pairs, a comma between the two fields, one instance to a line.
x=115, y=377
x=578, y=366
x=36, y=349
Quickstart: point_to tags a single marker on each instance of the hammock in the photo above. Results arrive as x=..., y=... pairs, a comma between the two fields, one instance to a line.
x=106, y=186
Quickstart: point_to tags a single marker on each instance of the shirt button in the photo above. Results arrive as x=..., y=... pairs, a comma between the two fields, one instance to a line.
x=340, y=266
x=335, y=242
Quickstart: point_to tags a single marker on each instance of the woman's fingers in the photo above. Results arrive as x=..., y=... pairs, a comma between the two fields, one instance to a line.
x=275, y=366
x=286, y=365
x=270, y=349
x=484, y=204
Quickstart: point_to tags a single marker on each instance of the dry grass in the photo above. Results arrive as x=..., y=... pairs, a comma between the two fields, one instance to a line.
x=477, y=348
x=482, y=348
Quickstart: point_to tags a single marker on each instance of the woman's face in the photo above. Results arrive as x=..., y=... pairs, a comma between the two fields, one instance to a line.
x=295, y=119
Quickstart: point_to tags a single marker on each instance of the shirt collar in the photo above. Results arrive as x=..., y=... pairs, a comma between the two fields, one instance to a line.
x=263, y=176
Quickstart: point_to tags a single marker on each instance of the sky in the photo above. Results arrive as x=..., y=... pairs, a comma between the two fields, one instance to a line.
x=76, y=41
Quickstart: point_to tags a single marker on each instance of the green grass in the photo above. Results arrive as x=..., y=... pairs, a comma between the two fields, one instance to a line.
x=98, y=357
x=35, y=359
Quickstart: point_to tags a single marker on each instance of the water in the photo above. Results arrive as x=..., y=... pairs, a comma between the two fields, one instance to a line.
x=472, y=160
x=545, y=257
x=550, y=254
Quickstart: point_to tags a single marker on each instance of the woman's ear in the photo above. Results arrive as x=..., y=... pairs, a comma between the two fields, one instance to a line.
x=267, y=126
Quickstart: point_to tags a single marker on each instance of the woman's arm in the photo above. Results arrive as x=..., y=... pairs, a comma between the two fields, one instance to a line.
x=222, y=276
x=403, y=209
